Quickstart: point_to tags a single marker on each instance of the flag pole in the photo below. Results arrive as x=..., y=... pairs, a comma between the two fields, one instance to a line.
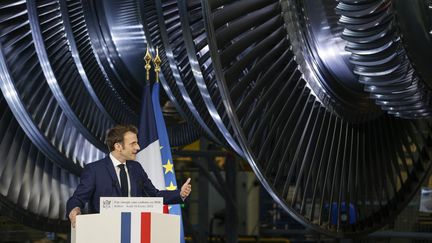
x=157, y=61
x=147, y=59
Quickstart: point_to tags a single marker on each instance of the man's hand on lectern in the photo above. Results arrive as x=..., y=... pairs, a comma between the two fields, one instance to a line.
x=186, y=189
x=72, y=215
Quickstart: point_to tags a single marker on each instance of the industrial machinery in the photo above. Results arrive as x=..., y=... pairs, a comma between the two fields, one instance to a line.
x=329, y=101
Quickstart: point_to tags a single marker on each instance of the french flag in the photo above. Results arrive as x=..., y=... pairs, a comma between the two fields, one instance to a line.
x=155, y=157
x=148, y=228
x=150, y=155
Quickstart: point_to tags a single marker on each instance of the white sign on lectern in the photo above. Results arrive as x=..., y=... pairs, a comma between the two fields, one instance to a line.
x=131, y=204
x=126, y=227
x=128, y=220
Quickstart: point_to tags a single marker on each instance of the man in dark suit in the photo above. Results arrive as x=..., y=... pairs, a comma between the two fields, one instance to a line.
x=118, y=175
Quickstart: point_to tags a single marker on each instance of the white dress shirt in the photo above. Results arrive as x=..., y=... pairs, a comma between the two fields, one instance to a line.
x=116, y=162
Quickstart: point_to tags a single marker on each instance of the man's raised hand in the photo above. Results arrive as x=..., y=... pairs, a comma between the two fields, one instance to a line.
x=186, y=189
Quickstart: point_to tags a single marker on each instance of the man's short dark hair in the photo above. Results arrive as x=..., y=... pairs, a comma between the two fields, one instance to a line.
x=116, y=135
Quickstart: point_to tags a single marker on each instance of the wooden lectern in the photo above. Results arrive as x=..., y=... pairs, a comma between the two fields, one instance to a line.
x=126, y=226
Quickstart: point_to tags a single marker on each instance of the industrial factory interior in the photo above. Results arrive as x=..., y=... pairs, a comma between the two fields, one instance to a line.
x=296, y=120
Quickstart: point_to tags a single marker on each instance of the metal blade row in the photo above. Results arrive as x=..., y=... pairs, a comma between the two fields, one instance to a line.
x=381, y=60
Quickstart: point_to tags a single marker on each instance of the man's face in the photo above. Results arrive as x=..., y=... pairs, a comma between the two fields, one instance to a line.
x=130, y=147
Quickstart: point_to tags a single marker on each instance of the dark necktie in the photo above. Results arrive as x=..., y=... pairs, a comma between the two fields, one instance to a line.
x=123, y=180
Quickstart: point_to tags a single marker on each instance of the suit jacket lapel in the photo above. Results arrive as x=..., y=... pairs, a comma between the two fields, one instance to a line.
x=111, y=171
x=133, y=185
